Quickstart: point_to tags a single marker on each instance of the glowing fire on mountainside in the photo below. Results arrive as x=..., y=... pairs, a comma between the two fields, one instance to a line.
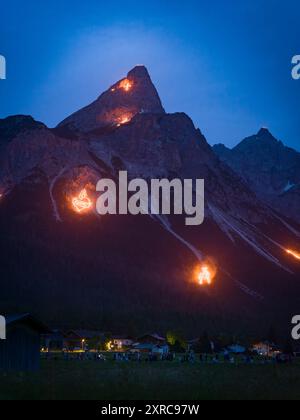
x=205, y=273
x=294, y=254
x=204, y=276
x=79, y=190
x=82, y=202
x=126, y=85
x=124, y=120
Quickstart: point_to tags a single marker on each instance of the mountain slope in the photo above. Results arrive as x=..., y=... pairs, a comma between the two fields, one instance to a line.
x=139, y=271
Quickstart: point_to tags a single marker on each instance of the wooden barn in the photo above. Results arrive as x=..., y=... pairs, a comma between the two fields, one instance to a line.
x=21, y=349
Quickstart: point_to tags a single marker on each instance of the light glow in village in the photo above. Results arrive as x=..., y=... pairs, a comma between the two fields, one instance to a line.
x=82, y=202
x=294, y=254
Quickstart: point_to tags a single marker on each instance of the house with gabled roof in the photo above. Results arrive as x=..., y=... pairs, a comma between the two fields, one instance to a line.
x=153, y=338
x=20, y=350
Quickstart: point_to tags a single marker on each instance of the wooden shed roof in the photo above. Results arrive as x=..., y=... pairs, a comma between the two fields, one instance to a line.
x=13, y=319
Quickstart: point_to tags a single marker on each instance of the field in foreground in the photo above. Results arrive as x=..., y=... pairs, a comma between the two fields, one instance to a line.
x=90, y=380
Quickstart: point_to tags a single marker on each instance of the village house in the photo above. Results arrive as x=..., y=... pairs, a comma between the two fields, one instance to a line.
x=266, y=349
x=151, y=343
x=82, y=340
x=236, y=349
x=20, y=351
x=142, y=348
x=161, y=349
x=152, y=339
x=54, y=341
x=122, y=342
x=151, y=348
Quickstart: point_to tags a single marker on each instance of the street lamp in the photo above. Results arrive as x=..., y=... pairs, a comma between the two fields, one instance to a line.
x=82, y=344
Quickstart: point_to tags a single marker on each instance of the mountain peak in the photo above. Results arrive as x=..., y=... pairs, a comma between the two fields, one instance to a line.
x=130, y=96
x=264, y=132
x=20, y=120
x=260, y=141
x=15, y=124
x=139, y=71
x=266, y=137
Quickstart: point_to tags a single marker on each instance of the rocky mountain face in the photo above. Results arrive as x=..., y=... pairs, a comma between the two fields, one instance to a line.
x=132, y=95
x=135, y=272
x=26, y=145
x=271, y=169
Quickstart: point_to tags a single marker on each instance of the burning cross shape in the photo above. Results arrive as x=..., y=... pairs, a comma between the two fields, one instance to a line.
x=82, y=202
x=126, y=84
x=204, y=277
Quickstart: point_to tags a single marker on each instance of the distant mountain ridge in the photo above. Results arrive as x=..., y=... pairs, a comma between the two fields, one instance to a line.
x=270, y=168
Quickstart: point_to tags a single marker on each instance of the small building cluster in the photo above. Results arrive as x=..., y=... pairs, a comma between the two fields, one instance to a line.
x=27, y=338
x=87, y=340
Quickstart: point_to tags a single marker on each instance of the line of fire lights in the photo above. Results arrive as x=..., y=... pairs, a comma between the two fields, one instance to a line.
x=126, y=85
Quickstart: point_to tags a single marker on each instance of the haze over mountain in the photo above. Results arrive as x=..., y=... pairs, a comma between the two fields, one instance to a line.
x=270, y=168
x=135, y=272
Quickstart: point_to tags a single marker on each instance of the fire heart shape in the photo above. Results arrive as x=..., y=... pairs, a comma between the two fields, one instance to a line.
x=82, y=202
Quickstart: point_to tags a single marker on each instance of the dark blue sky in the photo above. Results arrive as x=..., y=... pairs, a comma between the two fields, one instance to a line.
x=225, y=63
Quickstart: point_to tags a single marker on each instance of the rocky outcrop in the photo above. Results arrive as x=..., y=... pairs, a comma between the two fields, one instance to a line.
x=27, y=145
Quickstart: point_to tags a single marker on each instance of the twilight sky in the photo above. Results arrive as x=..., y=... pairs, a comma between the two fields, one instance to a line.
x=226, y=63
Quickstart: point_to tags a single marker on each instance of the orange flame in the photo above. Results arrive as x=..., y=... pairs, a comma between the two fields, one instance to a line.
x=293, y=253
x=204, y=276
x=82, y=202
x=123, y=120
x=126, y=84
x=205, y=273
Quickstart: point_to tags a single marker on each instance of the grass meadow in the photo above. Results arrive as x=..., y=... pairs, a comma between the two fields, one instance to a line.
x=90, y=380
